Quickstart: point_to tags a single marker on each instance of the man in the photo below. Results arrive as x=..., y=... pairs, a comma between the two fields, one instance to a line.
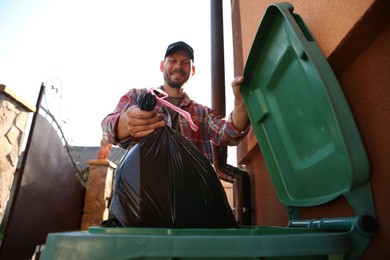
x=128, y=123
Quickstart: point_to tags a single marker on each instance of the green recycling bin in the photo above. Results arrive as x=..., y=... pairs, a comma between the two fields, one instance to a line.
x=312, y=150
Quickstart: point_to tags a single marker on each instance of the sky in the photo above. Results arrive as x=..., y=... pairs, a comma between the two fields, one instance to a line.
x=88, y=53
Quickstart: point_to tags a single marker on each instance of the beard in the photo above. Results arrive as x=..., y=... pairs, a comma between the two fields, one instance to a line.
x=173, y=83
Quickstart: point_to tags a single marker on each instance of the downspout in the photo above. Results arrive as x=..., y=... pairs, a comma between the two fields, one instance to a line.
x=239, y=178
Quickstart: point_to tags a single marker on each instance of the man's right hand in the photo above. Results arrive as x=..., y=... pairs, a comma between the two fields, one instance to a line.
x=137, y=123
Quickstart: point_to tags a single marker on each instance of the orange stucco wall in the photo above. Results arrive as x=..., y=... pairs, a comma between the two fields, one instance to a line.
x=355, y=37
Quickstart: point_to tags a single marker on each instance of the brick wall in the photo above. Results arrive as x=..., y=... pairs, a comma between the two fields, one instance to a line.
x=98, y=192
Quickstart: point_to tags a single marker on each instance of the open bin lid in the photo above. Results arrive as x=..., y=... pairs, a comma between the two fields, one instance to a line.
x=304, y=127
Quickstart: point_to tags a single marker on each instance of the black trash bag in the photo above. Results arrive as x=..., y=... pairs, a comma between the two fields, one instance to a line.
x=164, y=181
x=147, y=101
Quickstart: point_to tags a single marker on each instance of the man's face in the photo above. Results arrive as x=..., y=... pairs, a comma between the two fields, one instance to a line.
x=177, y=68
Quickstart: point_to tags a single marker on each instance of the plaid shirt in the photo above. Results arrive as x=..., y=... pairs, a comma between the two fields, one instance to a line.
x=212, y=128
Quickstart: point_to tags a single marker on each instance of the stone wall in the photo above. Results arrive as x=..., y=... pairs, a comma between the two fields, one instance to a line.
x=14, y=113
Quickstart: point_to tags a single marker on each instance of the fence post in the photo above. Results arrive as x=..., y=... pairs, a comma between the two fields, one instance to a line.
x=98, y=192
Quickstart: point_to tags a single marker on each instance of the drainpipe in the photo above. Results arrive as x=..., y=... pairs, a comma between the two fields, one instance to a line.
x=239, y=178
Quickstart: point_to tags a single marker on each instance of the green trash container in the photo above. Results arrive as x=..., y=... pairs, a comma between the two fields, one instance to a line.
x=313, y=152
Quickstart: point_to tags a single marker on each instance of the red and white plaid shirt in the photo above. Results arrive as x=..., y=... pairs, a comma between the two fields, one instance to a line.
x=212, y=128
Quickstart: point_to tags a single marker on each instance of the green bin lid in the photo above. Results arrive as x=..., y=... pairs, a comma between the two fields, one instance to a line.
x=300, y=117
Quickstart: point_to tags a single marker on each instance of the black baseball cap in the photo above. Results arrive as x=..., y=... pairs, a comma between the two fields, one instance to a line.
x=180, y=46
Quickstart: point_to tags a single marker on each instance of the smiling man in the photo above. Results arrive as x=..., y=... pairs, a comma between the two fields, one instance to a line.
x=127, y=124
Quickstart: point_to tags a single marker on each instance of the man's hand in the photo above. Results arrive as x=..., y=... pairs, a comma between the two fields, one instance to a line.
x=137, y=123
x=237, y=81
x=240, y=116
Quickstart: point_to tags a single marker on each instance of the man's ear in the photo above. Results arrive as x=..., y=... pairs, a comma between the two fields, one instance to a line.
x=161, y=65
x=193, y=70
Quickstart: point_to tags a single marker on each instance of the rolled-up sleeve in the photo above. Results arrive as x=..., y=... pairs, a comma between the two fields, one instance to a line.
x=223, y=132
x=233, y=135
x=110, y=128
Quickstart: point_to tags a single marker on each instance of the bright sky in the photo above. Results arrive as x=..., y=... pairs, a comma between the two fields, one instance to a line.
x=93, y=51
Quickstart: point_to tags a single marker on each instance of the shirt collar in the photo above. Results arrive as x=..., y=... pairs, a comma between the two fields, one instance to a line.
x=186, y=99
